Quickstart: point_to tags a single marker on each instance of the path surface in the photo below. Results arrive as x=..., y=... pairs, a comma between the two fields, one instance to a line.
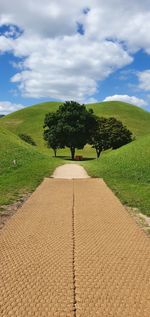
x=72, y=250
x=69, y=171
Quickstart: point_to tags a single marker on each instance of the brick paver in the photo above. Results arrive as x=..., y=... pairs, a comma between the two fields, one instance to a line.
x=36, y=255
x=72, y=250
x=112, y=257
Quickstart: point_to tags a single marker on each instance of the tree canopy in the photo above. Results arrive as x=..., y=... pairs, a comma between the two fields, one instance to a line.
x=100, y=139
x=118, y=133
x=52, y=133
x=71, y=125
x=110, y=133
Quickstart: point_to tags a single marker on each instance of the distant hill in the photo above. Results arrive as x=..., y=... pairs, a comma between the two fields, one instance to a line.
x=1, y=115
x=30, y=120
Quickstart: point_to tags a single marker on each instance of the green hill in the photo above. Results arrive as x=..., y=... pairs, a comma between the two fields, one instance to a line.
x=127, y=172
x=135, y=118
x=30, y=120
x=30, y=168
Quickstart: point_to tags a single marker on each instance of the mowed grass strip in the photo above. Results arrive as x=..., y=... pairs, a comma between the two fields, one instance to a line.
x=29, y=170
x=127, y=172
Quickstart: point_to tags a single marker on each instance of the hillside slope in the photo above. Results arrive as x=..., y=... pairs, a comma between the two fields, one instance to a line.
x=30, y=168
x=30, y=120
x=127, y=172
x=135, y=118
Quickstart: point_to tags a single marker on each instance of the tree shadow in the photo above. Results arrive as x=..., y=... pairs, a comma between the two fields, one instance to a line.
x=66, y=158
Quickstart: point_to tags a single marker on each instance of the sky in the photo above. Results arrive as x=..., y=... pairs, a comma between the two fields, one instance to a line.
x=88, y=51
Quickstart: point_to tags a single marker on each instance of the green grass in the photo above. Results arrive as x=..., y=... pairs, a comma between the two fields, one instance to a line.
x=127, y=172
x=31, y=167
x=30, y=120
x=135, y=118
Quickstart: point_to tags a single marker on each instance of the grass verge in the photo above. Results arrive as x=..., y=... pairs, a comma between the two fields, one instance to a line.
x=30, y=168
x=127, y=172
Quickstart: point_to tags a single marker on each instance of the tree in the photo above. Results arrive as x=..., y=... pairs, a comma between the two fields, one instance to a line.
x=27, y=138
x=100, y=139
x=110, y=133
x=51, y=134
x=76, y=124
x=119, y=135
x=53, y=142
x=72, y=124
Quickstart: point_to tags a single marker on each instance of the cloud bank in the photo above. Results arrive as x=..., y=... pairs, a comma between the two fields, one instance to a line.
x=7, y=107
x=129, y=99
x=58, y=61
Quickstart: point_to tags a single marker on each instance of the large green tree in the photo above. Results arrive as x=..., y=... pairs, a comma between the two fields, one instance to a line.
x=51, y=133
x=110, y=133
x=74, y=125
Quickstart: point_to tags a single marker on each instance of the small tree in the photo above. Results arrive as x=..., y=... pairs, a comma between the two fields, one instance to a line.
x=119, y=135
x=27, y=138
x=51, y=134
x=110, y=133
x=100, y=139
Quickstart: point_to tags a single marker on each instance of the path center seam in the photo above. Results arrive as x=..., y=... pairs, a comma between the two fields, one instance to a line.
x=73, y=253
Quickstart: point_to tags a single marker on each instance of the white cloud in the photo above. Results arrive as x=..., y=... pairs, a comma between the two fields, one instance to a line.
x=6, y=44
x=127, y=21
x=7, y=107
x=70, y=68
x=47, y=18
x=129, y=99
x=144, y=80
x=58, y=62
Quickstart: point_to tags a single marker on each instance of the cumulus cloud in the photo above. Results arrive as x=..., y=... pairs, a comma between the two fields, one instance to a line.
x=47, y=18
x=7, y=107
x=70, y=68
x=123, y=21
x=129, y=99
x=144, y=80
x=60, y=63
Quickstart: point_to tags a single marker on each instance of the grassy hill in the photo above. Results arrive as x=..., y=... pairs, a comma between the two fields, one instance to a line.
x=30, y=120
x=31, y=166
x=135, y=118
x=127, y=172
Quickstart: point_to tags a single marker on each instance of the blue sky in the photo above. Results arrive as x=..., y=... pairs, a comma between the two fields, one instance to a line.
x=53, y=55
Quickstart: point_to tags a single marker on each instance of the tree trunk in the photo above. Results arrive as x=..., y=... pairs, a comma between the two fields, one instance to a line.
x=72, y=149
x=55, y=152
x=98, y=152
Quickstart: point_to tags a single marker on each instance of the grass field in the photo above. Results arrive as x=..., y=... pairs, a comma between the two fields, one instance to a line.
x=126, y=170
x=31, y=166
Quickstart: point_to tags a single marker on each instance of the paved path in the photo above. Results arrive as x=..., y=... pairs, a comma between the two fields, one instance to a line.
x=70, y=171
x=72, y=250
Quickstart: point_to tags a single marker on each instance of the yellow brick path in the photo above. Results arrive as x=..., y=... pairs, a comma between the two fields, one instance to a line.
x=72, y=250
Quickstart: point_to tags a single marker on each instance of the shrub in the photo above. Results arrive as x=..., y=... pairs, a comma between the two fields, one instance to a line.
x=27, y=138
